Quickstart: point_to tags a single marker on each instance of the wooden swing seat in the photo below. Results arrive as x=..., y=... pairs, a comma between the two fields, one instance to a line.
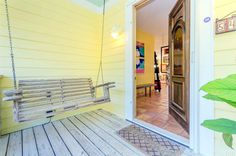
x=36, y=99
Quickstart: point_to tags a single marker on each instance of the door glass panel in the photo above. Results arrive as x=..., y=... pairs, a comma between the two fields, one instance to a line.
x=178, y=51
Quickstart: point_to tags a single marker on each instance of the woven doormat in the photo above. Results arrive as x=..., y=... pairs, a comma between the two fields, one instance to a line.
x=152, y=143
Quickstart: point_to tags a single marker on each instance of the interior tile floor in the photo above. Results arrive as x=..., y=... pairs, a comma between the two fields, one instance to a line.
x=154, y=110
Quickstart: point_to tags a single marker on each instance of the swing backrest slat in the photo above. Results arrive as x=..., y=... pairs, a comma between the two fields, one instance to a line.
x=45, y=98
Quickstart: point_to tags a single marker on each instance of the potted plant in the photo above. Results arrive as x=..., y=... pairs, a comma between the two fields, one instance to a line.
x=223, y=90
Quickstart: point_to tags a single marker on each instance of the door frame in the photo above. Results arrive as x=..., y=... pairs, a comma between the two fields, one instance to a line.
x=201, y=35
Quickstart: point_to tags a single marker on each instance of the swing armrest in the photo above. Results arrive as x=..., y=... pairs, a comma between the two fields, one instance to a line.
x=106, y=93
x=12, y=95
x=13, y=98
x=108, y=85
x=12, y=92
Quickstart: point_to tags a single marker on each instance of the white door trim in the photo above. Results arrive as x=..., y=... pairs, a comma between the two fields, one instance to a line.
x=201, y=65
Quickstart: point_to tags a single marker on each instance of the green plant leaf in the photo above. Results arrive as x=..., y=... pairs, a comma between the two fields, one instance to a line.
x=222, y=88
x=233, y=76
x=221, y=125
x=216, y=98
x=228, y=139
x=212, y=97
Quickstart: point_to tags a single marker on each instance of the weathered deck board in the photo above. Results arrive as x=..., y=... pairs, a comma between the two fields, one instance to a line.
x=44, y=146
x=106, y=136
x=29, y=144
x=56, y=141
x=87, y=134
x=15, y=144
x=102, y=120
x=69, y=140
x=108, y=122
x=3, y=144
x=114, y=119
x=111, y=132
x=100, y=143
x=89, y=147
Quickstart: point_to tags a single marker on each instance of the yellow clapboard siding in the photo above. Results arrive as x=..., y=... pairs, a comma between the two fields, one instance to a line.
x=47, y=44
x=28, y=34
x=48, y=53
x=220, y=3
x=223, y=71
x=82, y=15
x=57, y=39
x=43, y=7
x=225, y=64
x=225, y=41
x=114, y=56
x=228, y=55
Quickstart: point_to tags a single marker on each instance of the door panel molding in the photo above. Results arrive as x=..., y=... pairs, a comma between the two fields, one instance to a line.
x=179, y=45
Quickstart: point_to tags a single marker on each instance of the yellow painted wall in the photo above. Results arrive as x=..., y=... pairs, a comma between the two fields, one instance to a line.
x=59, y=39
x=225, y=64
x=149, y=41
x=114, y=56
x=52, y=39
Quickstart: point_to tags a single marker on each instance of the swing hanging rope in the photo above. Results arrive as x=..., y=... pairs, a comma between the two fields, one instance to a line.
x=11, y=45
x=100, y=69
x=38, y=99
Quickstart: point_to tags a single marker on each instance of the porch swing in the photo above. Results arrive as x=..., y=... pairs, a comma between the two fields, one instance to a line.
x=45, y=98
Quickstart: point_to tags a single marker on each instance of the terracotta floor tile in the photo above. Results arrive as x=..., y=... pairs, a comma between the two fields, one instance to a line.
x=158, y=123
x=174, y=128
x=154, y=110
x=185, y=134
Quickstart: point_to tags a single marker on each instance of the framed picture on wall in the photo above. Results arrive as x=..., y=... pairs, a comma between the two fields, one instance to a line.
x=139, y=65
x=140, y=57
x=164, y=58
x=164, y=68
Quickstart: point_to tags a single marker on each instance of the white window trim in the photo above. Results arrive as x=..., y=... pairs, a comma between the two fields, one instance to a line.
x=202, y=71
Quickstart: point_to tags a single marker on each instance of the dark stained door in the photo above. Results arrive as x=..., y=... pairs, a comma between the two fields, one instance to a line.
x=179, y=44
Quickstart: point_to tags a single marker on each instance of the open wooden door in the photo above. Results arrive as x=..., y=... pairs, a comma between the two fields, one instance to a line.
x=179, y=44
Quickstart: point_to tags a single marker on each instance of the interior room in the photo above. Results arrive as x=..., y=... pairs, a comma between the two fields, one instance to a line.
x=152, y=66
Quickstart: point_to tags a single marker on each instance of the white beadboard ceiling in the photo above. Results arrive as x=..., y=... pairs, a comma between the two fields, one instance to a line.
x=153, y=17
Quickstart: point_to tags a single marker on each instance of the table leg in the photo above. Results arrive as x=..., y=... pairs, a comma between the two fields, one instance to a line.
x=150, y=91
x=145, y=91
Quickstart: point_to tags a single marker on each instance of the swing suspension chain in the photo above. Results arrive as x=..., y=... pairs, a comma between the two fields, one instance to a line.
x=101, y=50
x=11, y=45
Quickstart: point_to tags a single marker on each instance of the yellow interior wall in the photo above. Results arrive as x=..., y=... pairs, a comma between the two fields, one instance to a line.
x=51, y=39
x=225, y=64
x=149, y=41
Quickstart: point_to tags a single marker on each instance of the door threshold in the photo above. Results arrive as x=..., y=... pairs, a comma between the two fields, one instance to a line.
x=162, y=132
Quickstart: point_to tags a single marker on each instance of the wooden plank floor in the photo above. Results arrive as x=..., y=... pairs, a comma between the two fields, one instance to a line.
x=88, y=134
